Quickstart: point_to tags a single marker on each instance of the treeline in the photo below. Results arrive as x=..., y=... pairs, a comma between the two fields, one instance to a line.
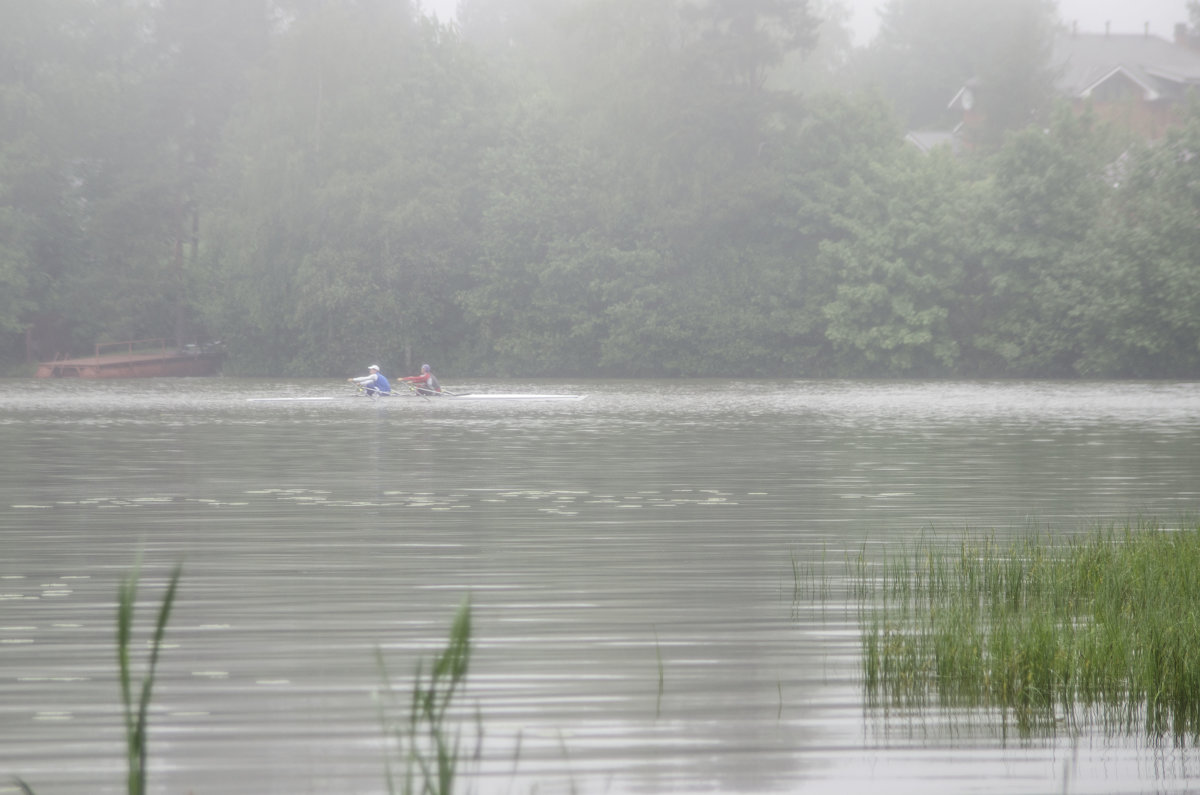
x=573, y=187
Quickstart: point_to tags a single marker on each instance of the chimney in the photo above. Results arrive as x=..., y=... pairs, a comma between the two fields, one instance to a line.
x=1107, y=25
x=1181, y=34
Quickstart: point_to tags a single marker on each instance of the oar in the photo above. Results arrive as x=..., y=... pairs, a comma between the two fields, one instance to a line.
x=373, y=394
x=414, y=390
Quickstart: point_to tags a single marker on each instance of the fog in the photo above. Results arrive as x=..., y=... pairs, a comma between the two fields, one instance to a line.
x=639, y=188
x=1122, y=16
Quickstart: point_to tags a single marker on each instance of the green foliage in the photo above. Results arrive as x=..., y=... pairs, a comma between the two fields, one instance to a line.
x=135, y=708
x=346, y=212
x=110, y=144
x=1029, y=271
x=136, y=711
x=1142, y=313
x=429, y=744
x=41, y=72
x=428, y=741
x=900, y=273
x=1101, y=627
x=582, y=187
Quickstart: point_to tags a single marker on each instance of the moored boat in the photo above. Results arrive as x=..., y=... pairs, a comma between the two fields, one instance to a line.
x=139, y=359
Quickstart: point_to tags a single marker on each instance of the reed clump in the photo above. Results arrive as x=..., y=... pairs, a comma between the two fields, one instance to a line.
x=427, y=734
x=1102, y=626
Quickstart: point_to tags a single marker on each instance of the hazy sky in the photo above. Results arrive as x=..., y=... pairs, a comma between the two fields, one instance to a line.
x=1125, y=16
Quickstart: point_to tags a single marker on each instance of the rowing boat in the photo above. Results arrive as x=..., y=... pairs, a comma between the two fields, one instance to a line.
x=432, y=397
x=280, y=399
x=487, y=396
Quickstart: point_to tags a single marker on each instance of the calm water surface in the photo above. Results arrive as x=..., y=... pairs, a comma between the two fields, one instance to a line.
x=643, y=535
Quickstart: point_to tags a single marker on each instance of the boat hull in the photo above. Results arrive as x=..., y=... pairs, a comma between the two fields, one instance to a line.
x=149, y=358
x=148, y=366
x=433, y=398
x=503, y=396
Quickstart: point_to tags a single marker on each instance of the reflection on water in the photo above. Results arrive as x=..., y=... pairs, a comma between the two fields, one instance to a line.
x=651, y=521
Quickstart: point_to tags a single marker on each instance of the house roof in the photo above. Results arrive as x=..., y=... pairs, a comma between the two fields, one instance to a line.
x=1159, y=68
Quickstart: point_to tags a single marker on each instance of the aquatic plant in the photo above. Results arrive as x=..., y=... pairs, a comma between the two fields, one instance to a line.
x=136, y=718
x=1104, y=626
x=658, y=657
x=429, y=745
x=811, y=581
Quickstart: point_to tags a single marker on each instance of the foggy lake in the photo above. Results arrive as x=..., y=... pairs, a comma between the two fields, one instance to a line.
x=628, y=560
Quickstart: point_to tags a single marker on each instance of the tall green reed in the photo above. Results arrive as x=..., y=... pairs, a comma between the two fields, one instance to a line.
x=136, y=714
x=1105, y=624
x=430, y=746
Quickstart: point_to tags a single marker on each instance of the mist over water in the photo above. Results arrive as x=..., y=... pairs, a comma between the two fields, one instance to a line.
x=651, y=527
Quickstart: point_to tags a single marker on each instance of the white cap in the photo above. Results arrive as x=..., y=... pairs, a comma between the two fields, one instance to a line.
x=373, y=367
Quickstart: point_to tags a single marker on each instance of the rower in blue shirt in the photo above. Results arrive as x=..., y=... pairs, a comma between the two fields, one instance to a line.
x=373, y=383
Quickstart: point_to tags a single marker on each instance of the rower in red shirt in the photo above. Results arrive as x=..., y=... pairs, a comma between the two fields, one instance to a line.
x=426, y=383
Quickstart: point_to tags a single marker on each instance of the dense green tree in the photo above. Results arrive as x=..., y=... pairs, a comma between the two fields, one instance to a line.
x=827, y=66
x=652, y=247
x=204, y=51
x=1038, y=210
x=746, y=284
x=741, y=41
x=348, y=195
x=60, y=75
x=900, y=274
x=609, y=187
x=30, y=159
x=927, y=50
x=1140, y=311
x=533, y=302
x=120, y=105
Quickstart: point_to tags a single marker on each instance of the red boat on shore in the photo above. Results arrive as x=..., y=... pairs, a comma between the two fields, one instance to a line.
x=137, y=359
